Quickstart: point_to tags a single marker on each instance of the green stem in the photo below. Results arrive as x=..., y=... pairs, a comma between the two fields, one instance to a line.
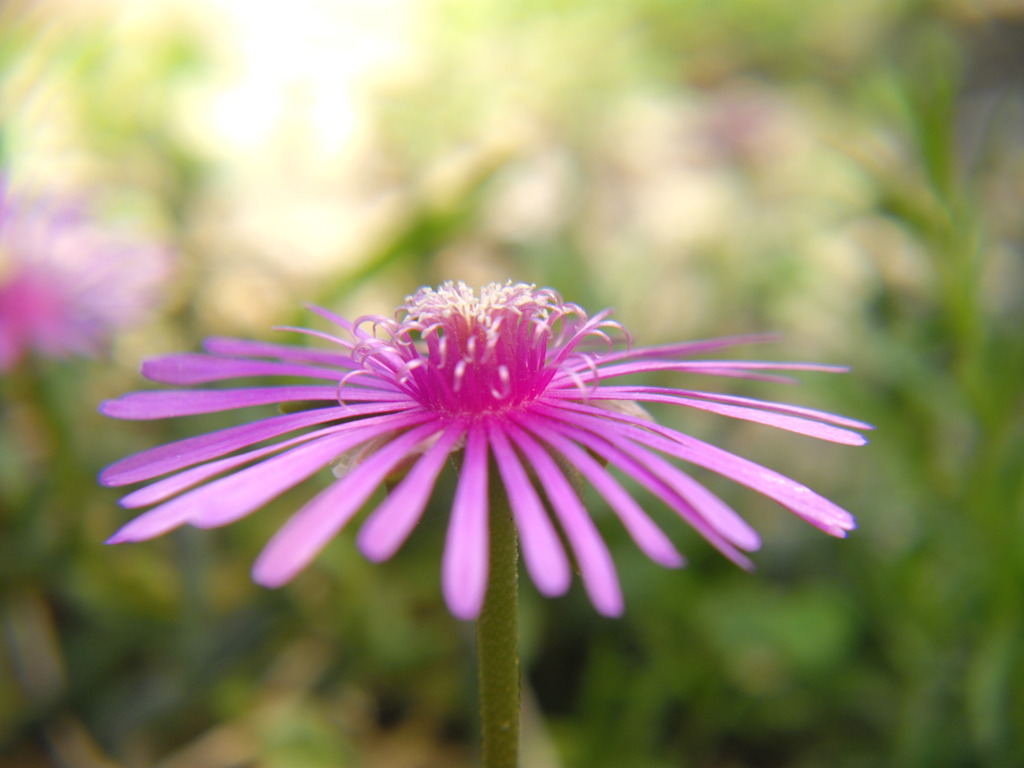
x=497, y=638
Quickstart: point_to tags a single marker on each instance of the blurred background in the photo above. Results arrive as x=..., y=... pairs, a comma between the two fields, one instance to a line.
x=847, y=174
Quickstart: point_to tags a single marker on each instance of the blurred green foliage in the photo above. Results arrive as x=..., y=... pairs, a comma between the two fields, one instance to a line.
x=846, y=173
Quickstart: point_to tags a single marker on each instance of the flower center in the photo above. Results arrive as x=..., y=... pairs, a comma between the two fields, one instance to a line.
x=463, y=353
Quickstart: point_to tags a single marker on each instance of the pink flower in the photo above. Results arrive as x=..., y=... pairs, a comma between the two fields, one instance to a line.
x=516, y=379
x=67, y=285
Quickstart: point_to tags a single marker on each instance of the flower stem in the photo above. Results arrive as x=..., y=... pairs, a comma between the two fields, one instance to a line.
x=497, y=637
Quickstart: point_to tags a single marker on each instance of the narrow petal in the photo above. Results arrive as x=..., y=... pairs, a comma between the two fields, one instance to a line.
x=162, y=404
x=170, y=486
x=464, y=569
x=390, y=524
x=193, y=450
x=310, y=529
x=542, y=550
x=197, y=368
x=609, y=449
x=595, y=562
x=567, y=345
x=220, y=345
x=684, y=349
x=568, y=380
x=716, y=512
x=778, y=420
x=231, y=498
x=329, y=337
x=340, y=321
x=798, y=498
x=647, y=535
x=751, y=370
x=680, y=395
x=705, y=366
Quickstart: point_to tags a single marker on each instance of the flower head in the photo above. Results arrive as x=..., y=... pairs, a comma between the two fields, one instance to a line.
x=517, y=380
x=67, y=285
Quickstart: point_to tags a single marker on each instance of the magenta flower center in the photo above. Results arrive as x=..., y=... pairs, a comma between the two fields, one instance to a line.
x=462, y=354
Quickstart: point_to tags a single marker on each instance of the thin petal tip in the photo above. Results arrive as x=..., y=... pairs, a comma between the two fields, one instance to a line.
x=110, y=407
x=374, y=546
x=555, y=585
x=468, y=612
x=269, y=577
x=670, y=559
x=463, y=604
x=127, y=534
x=612, y=609
x=374, y=555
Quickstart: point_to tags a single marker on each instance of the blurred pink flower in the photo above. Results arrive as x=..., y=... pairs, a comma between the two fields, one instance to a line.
x=516, y=379
x=67, y=284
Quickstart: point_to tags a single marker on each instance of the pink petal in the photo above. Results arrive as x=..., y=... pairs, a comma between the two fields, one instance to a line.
x=596, y=566
x=329, y=337
x=338, y=320
x=610, y=450
x=237, y=495
x=464, y=568
x=606, y=392
x=683, y=349
x=197, y=368
x=219, y=345
x=777, y=420
x=387, y=528
x=162, y=404
x=310, y=529
x=647, y=535
x=542, y=550
x=193, y=450
x=796, y=497
x=704, y=366
x=716, y=512
x=563, y=350
x=799, y=499
x=171, y=486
